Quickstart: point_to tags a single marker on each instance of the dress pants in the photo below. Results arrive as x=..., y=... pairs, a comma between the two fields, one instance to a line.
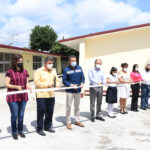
x=69, y=99
x=96, y=93
x=45, y=108
x=135, y=95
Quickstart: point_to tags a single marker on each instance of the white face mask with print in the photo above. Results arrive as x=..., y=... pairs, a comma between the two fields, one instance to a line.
x=49, y=66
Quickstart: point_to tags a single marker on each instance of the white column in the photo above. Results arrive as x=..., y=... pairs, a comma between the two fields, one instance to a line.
x=82, y=58
x=82, y=54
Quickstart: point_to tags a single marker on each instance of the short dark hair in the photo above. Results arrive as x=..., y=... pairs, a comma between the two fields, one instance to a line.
x=124, y=65
x=48, y=58
x=113, y=69
x=14, y=60
x=71, y=56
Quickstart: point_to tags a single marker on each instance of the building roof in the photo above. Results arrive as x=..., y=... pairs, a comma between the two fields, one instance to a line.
x=29, y=50
x=105, y=32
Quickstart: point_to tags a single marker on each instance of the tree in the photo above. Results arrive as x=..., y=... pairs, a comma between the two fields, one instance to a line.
x=42, y=38
x=58, y=48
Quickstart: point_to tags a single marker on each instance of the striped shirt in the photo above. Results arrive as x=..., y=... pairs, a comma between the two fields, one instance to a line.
x=17, y=78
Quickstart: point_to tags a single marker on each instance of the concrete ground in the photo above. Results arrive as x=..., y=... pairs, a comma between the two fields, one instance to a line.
x=126, y=132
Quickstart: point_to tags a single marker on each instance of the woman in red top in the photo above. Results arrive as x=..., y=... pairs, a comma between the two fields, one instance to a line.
x=136, y=78
x=17, y=80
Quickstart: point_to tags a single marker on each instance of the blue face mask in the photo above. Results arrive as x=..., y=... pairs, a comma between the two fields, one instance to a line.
x=73, y=64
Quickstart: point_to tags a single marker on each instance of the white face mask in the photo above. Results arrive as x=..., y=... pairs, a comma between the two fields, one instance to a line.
x=98, y=66
x=125, y=69
x=136, y=69
x=49, y=66
x=114, y=74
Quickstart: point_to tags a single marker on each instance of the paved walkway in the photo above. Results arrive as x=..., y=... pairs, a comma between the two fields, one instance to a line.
x=126, y=132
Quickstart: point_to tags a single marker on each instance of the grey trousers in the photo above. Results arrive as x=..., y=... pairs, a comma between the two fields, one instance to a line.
x=96, y=93
x=69, y=99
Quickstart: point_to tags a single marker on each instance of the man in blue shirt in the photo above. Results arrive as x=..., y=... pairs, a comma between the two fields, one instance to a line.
x=96, y=77
x=73, y=76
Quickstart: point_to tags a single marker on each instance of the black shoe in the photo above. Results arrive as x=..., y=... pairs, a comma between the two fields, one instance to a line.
x=15, y=136
x=22, y=135
x=50, y=130
x=100, y=118
x=148, y=107
x=137, y=110
x=121, y=112
x=92, y=119
x=41, y=133
x=111, y=116
x=143, y=108
x=125, y=112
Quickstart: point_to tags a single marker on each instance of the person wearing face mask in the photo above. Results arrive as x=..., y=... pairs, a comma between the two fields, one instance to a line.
x=111, y=93
x=45, y=77
x=73, y=76
x=124, y=87
x=17, y=80
x=96, y=77
x=136, y=77
x=145, y=88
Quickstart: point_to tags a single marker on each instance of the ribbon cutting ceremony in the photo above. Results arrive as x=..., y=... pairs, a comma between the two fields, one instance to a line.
x=75, y=75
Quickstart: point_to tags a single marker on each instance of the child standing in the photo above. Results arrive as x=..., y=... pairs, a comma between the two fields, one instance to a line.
x=111, y=94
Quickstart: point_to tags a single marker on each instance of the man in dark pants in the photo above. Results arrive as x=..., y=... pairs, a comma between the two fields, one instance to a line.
x=45, y=77
x=96, y=77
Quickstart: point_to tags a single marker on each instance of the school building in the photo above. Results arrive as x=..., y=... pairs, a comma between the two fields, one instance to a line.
x=32, y=60
x=129, y=44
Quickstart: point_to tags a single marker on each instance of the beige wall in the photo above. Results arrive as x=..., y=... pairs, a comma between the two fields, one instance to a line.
x=28, y=62
x=131, y=46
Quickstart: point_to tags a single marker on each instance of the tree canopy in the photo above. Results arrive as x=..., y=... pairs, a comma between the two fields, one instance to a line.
x=45, y=39
x=42, y=38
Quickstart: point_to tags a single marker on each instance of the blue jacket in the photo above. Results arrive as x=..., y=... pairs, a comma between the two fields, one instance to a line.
x=73, y=76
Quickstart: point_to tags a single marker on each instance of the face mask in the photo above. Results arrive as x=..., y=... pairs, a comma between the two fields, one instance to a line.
x=20, y=65
x=114, y=74
x=125, y=69
x=147, y=70
x=73, y=64
x=98, y=66
x=49, y=66
x=136, y=69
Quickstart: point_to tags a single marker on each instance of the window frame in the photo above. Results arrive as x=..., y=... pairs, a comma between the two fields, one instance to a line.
x=5, y=62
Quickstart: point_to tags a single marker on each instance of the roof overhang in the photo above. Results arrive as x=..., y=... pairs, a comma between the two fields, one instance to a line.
x=74, y=42
x=30, y=50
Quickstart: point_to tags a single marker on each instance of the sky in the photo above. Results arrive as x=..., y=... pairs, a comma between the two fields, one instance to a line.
x=67, y=17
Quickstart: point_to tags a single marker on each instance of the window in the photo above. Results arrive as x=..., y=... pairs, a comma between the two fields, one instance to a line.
x=5, y=62
x=37, y=62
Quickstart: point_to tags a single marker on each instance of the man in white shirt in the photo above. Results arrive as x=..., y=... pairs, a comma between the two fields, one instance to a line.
x=145, y=88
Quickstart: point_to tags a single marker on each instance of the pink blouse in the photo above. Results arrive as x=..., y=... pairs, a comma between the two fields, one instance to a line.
x=136, y=77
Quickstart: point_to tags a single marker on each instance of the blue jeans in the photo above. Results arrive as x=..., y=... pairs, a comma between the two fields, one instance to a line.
x=145, y=91
x=17, y=112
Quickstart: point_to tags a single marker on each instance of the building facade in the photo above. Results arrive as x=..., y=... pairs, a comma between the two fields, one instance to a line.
x=130, y=44
x=32, y=60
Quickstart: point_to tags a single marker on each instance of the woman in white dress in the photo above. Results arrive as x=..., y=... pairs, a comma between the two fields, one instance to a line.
x=124, y=87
